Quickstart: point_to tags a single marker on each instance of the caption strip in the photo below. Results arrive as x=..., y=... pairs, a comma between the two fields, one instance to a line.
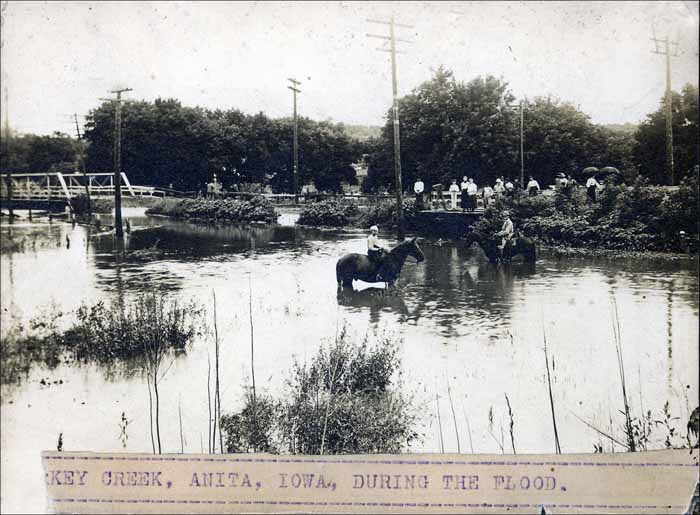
x=651, y=482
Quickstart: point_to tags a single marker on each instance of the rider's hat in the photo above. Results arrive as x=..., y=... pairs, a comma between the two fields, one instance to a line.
x=374, y=228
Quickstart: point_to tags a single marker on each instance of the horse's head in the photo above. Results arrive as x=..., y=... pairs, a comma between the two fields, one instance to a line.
x=415, y=251
x=487, y=243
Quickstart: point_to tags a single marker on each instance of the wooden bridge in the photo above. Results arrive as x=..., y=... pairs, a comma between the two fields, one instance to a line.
x=60, y=188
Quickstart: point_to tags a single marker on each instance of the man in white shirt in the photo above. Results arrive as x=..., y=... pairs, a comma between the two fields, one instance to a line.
x=510, y=188
x=533, y=187
x=592, y=186
x=418, y=189
x=471, y=191
x=454, y=190
x=374, y=250
x=499, y=189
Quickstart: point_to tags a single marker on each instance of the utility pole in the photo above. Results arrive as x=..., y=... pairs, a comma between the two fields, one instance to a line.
x=295, y=90
x=522, y=158
x=81, y=165
x=521, y=108
x=7, y=158
x=395, y=110
x=663, y=47
x=119, y=231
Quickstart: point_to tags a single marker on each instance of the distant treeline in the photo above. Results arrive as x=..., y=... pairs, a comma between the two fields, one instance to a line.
x=449, y=129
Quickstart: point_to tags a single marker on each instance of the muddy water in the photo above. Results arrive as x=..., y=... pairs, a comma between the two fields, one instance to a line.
x=462, y=322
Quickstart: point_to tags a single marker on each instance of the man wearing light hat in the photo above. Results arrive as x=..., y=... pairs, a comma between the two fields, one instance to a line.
x=374, y=250
x=506, y=233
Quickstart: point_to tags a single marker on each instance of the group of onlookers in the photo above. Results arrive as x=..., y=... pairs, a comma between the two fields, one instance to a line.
x=468, y=192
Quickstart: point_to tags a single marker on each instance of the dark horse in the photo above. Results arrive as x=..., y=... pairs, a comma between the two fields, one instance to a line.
x=358, y=266
x=518, y=245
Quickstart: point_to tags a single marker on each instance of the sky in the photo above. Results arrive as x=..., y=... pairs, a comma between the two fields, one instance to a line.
x=60, y=58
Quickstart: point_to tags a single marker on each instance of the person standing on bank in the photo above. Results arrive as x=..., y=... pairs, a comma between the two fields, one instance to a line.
x=499, y=189
x=418, y=189
x=510, y=189
x=592, y=186
x=533, y=187
x=471, y=191
x=464, y=199
x=454, y=190
x=487, y=192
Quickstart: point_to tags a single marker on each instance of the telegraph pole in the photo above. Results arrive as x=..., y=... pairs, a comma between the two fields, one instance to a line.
x=521, y=109
x=295, y=90
x=81, y=165
x=7, y=158
x=522, y=158
x=663, y=47
x=119, y=231
x=395, y=110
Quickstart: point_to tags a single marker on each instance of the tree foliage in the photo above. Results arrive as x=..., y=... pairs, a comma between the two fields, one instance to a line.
x=650, y=148
x=30, y=153
x=164, y=142
x=450, y=129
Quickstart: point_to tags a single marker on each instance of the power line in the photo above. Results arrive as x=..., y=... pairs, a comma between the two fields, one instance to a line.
x=392, y=40
x=669, y=49
x=295, y=90
x=119, y=231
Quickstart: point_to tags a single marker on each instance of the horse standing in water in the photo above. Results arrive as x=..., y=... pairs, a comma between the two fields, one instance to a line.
x=518, y=245
x=358, y=266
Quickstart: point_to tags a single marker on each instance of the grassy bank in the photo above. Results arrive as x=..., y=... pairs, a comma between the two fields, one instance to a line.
x=624, y=219
x=257, y=209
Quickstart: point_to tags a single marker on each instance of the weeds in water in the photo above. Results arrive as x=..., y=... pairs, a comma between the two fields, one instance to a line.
x=123, y=424
x=510, y=415
x=343, y=401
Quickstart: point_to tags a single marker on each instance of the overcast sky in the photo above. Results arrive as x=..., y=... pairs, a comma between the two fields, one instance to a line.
x=62, y=57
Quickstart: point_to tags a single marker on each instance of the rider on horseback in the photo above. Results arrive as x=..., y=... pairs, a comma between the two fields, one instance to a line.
x=506, y=234
x=375, y=252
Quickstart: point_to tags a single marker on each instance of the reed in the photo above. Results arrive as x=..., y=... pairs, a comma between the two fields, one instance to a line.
x=510, y=415
x=629, y=431
x=557, y=447
x=454, y=418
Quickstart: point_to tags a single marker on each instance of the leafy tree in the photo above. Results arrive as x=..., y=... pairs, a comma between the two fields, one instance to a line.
x=31, y=153
x=164, y=142
x=650, y=147
x=450, y=129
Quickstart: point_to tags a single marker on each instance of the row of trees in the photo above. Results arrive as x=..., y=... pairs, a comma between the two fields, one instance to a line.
x=450, y=129
x=30, y=153
x=166, y=143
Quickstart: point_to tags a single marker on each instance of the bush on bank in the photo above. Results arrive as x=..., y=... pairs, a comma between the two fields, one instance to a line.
x=255, y=209
x=329, y=213
x=637, y=218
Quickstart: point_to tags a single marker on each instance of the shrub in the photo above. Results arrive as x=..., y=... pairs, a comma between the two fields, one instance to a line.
x=255, y=209
x=384, y=214
x=330, y=213
x=344, y=401
x=116, y=332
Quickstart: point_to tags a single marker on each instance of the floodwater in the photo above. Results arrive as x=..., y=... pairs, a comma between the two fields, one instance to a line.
x=463, y=323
